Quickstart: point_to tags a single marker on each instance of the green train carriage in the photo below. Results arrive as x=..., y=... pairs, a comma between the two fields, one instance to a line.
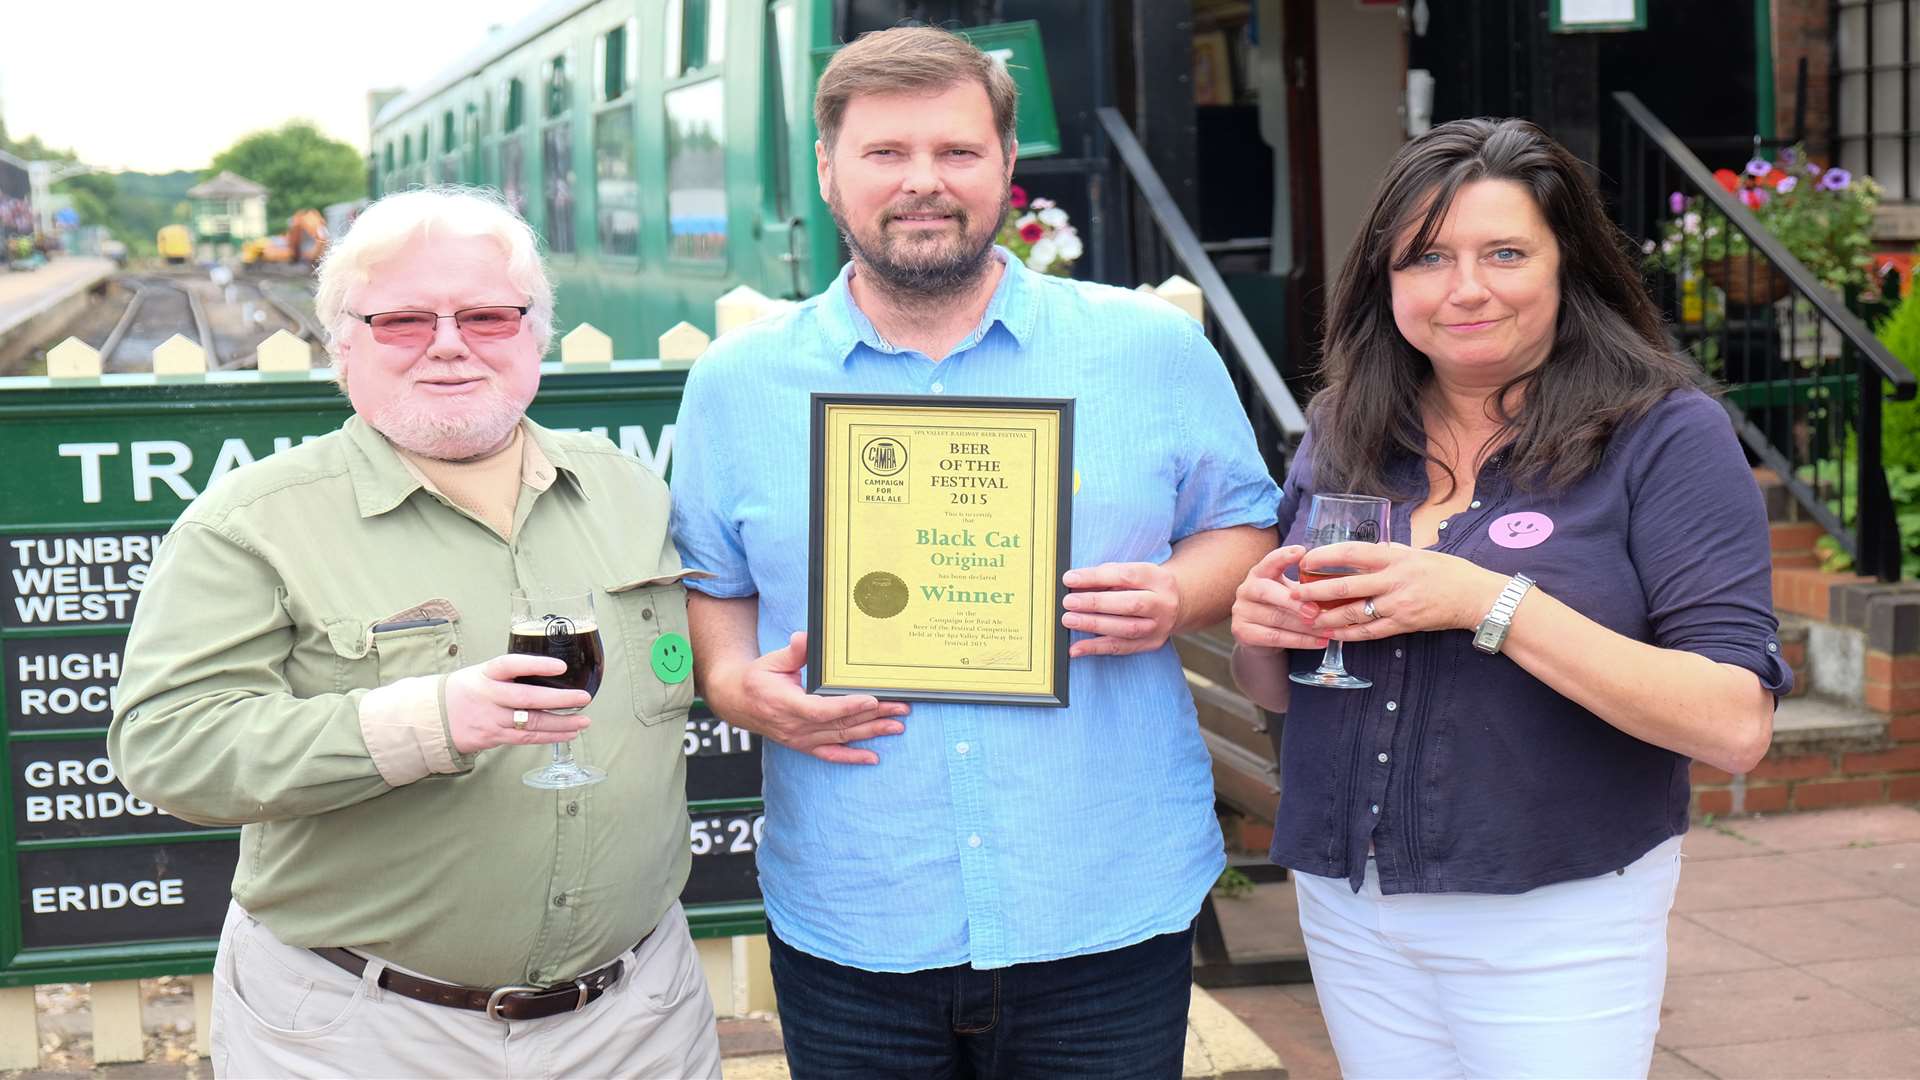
x=662, y=150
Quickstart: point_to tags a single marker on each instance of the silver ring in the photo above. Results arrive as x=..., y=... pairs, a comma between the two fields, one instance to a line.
x=520, y=719
x=1367, y=609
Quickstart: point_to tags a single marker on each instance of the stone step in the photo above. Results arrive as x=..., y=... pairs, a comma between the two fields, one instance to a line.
x=1817, y=725
x=1208, y=653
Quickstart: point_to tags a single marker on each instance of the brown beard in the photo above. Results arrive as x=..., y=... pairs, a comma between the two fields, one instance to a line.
x=916, y=279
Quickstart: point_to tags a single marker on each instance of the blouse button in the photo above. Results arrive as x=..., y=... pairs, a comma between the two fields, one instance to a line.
x=1392, y=705
x=1443, y=524
x=1474, y=505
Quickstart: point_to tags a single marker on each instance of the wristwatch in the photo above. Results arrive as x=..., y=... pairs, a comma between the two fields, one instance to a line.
x=1492, y=631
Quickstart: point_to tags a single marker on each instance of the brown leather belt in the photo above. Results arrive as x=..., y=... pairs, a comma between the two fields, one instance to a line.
x=502, y=1003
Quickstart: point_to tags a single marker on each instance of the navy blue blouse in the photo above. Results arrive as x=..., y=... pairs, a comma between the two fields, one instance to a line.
x=1466, y=773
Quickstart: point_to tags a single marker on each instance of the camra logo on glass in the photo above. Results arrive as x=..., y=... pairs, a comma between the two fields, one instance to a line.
x=1364, y=532
x=560, y=629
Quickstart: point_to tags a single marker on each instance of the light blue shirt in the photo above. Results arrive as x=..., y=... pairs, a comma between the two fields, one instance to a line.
x=987, y=835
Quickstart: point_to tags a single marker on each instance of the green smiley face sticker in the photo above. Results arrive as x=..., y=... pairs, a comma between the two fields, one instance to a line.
x=672, y=658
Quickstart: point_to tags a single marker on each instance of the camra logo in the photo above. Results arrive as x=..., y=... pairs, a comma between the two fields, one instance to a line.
x=884, y=456
x=559, y=629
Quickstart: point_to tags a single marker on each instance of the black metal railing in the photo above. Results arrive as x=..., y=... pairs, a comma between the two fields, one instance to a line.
x=1804, y=376
x=1163, y=244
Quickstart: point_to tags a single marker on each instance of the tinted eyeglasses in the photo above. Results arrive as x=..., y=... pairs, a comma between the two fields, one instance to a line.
x=488, y=323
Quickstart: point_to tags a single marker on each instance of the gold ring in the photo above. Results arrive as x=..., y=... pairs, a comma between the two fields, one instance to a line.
x=520, y=719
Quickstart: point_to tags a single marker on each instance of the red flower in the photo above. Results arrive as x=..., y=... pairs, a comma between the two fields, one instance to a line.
x=1016, y=196
x=1773, y=178
x=1728, y=179
x=1031, y=232
x=1753, y=197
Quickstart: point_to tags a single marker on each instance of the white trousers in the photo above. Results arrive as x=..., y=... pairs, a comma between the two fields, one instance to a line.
x=280, y=1011
x=1563, y=981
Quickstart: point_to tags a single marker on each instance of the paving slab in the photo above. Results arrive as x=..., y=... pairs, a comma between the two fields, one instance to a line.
x=1763, y=879
x=1288, y=1019
x=1720, y=841
x=1893, y=869
x=1692, y=949
x=1668, y=1065
x=1741, y=1007
x=1893, y=824
x=1829, y=930
x=1866, y=1055
x=1891, y=982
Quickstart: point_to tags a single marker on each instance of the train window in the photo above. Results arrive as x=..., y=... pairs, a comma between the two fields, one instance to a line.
x=387, y=158
x=516, y=112
x=449, y=140
x=559, y=89
x=513, y=174
x=696, y=172
x=406, y=149
x=616, y=191
x=556, y=162
x=696, y=35
x=779, y=124
x=610, y=64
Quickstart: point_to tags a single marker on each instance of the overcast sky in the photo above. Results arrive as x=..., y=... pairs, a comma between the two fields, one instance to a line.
x=158, y=85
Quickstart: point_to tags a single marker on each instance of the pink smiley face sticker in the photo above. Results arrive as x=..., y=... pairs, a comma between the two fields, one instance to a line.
x=1523, y=530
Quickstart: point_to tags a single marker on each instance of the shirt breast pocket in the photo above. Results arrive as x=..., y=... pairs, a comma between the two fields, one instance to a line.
x=652, y=615
x=421, y=640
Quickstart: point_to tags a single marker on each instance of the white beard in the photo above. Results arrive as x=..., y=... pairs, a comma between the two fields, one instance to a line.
x=478, y=428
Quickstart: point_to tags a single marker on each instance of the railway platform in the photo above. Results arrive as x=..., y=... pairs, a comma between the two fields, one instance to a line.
x=33, y=301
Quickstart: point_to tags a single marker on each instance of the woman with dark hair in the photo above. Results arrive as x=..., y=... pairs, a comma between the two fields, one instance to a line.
x=1574, y=603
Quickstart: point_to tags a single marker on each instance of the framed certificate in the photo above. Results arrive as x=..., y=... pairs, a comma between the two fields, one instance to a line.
x=940, y=532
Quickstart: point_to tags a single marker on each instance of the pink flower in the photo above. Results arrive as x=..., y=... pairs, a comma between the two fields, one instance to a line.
x=1677, y=202
x=1032, y=232
x=1016, y=196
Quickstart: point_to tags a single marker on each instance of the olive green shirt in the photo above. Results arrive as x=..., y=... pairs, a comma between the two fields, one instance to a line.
x=263, y=689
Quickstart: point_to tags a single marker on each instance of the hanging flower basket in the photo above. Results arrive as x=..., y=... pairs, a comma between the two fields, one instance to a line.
x=1748, y=279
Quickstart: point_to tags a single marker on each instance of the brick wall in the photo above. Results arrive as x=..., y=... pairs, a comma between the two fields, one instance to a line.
x=1801, y=28
x=1810, y=778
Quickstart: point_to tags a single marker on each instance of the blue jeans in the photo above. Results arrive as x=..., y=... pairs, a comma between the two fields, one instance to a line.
x=1111, y=1016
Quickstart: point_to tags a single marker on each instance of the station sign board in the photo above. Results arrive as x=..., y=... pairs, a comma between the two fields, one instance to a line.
x=96, y=882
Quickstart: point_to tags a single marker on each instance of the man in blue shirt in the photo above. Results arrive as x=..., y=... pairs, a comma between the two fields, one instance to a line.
x=1000, y=891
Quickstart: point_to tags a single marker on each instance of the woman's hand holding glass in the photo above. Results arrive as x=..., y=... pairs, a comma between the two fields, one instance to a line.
x=1411, y=589
x=1267, y=614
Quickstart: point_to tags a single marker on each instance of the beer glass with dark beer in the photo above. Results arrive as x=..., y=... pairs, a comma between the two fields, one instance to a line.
x=560, y=625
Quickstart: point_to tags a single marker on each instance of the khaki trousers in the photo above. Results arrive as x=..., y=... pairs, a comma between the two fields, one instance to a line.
x=280, y=1011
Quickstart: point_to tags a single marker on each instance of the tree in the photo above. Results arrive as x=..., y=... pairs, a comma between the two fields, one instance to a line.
x=300, y=166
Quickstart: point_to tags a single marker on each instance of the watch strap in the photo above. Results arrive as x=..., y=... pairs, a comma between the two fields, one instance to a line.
x=1491, y=634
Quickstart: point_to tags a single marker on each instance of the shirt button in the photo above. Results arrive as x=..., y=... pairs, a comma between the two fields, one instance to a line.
x=937, y=388
x=1392, y=706
x=1773, y=646
x=1383, y=759
x=453, y=650
x=560, y=901
x=1474, y=505
x=961, y=748
x=1396, y=654
x=1375, y=808
x=646, y=613
x=974, y=840
x=573, y=809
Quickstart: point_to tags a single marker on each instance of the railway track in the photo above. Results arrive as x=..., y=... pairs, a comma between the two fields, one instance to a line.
x=228, y=321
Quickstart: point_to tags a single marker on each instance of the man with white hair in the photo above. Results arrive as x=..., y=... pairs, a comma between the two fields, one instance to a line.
x=306, y=663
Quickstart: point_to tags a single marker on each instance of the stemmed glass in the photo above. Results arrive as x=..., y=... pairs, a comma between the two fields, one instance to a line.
x=560, y=625
x=1340, y=519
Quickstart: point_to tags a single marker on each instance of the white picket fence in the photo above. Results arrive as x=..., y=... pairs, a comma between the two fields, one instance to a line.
x=736, y=968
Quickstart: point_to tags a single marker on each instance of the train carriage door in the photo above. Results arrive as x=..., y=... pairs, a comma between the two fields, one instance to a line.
x=781, y=233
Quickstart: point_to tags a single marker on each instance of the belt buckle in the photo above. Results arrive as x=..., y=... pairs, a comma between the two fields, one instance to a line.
x=494, y=999
x=581, y=982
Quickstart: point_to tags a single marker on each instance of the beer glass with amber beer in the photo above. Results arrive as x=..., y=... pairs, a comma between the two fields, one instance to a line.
x=560, y=625
x=1340, y=519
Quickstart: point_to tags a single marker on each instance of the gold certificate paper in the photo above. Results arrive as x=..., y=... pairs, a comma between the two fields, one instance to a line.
x=940, y=535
